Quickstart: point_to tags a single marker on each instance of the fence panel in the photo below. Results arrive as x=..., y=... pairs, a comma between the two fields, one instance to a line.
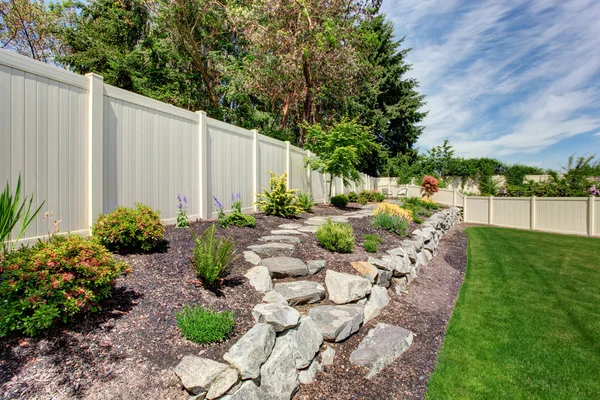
x=564, y=215
x=298, y=175
x=317, y=186
x=444, y=196
x=230, y=174
x=596, y=222
x=477, y=209
x=512, y=212
x=271, y=158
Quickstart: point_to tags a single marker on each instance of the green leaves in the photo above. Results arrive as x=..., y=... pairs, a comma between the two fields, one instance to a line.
x=336, y=236
x=203, y=325
x=211, y=256
x=278, y=201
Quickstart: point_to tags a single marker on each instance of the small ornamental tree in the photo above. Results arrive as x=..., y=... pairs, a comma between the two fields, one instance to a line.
x=429, y=186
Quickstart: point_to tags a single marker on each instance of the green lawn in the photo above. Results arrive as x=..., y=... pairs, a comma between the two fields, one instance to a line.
x=527, y=320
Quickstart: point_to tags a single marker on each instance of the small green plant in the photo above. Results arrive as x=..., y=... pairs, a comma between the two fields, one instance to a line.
x=54, y=281
x=203, y=325
x=182, y=213
x=341, y=200
x=362, y=200
x=390, y=223
x=237, y=217
x=336, y=236
x=418, y=202
x=370, y=242
x=12, y=210
x=305, y=201
x=130, y=229
x=278, y=201
x=368, y=195
x=372, y=238
x=417, y=220
x=353, y=197
x=212, y=256
x=378, y=197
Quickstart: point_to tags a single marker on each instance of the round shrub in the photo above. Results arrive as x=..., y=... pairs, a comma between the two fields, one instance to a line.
x=393, y=209
x=353, y=197
x=54, y=281
x=336, y=236
x=378, y=197
x=341, y=200
x=130, y=229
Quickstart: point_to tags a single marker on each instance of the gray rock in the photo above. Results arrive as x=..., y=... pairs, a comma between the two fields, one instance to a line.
x=377, y=301
x=398, y=251
x=251, y=257
x=260, y=278
x=283, y=267
x=274, y=297
x=400, y=284
x=290, y=226
x=384, y=278
x=279, y=316
x=428, y=256
x=410, y=250
x=327, y=356
x=200, y=396
x=366, y=270
x=345, y=288
x=380, y=264
x=286, y=232
x=247, y=391
x=252, y=350
x=315, y=222
x=222, y=383
x=273, y=249
x=336, y=323
x=280, y=239
x=421, y=259
x=401, y=265
x=382, y=345
x=430, y=246
x=197, y=373
x=300, y=292
x=308, y=375
x=315, y=266
x=308, y=229
x=278, y=375
x=305, y=339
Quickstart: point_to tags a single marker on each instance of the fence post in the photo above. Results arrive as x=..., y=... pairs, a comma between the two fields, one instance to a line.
x=95, y=177
x=203, y=164
x=465, y=201
x=532, y=214
x=454, y=198
x=288, y=164
x=254, y=168
x=591, y=216
x=491, y=210
x=308, y=175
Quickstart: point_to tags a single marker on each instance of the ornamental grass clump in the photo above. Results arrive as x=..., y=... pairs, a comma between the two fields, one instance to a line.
x=305, y=201
x=203, y=325
x=336, y=236
x=394, y=210
x=278, y=201
x=212, y=256
x=54, y=281
x=390, y=223
x=130, y=229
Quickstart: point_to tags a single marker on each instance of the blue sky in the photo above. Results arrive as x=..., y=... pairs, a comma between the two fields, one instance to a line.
x=516, y=80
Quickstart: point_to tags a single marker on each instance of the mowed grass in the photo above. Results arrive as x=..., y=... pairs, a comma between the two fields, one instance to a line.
x=527, y=320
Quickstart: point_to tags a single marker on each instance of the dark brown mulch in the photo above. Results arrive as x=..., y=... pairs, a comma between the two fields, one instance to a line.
x=425, y=310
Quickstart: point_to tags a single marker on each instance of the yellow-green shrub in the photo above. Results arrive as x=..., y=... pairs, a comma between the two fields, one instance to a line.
x=393, y=209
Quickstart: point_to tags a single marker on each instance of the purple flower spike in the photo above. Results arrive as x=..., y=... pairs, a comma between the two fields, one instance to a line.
x=185, y=199
x=178, y=197
x=217, y=203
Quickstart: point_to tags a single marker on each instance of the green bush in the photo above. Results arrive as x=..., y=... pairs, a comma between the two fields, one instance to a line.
x=370, y=242
x=202, y=325
x=236, y=218
x=390, y=223
x=362, y=199
x=54, y=281
x=417, y=220
x=278, y=201
x=130, y=229
x=378, y=197
x=211, y=256
x=305, y=201
x=418, y=202
x=353, y=197
x=336, y=236
x=341, y=200
x=367, y=194
x=372, y=238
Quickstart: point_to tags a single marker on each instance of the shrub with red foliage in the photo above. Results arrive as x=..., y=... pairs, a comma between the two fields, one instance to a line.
x=429, y=186
x=53, y=281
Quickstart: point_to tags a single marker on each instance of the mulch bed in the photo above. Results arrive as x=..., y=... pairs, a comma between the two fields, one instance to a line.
x=128, y=350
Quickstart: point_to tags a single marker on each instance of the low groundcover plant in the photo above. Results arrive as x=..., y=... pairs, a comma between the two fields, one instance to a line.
x=203, y=325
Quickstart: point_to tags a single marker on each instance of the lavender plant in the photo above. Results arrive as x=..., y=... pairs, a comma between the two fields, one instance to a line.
x=182, y=213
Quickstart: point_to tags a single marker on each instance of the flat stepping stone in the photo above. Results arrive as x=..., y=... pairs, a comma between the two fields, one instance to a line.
x=345, y=288
x=251, y=257
x=280, y=239
x=260, y=278
x=273, y=249
x=315, y=266
x=382, y=345
x=315, y=223
x=286, y=232
x=337, y=323
x=300, y=292
x=280, y=316
x=283, y=267
x=290, y=226
x=308, y=229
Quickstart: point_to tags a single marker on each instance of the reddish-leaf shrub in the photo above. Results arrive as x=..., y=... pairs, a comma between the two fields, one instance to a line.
x=54, y=281
x=429, y=186
x=130, y=229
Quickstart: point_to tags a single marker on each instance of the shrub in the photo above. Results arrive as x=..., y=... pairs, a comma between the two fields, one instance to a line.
x=130, y=229
x=362, y=200
x=202, y=325
x=353, y=197
x=211, y=256
x=370, y=242
x=237, y=217
x=305, y=201
x=341, y=200
x=378, y=197
x=429, y=204
x=279, y=200
x=368, y=195
x=429, y=186
x=417, y=220
x=182, y=213
x=390, y=223
x=336, y=236
x=54, y=281
x=393, y=209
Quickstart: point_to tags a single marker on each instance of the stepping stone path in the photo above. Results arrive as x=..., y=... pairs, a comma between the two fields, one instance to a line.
x=273, y=249
x=382, y=345
x=285, y=232
x=290, y=226
x=308, y=229
x=345, y=288
x=300, y=292
x=283, y=267
x=260, y=278
x=280, y=239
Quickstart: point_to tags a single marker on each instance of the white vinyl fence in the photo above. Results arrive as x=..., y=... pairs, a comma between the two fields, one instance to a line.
x=86, y=147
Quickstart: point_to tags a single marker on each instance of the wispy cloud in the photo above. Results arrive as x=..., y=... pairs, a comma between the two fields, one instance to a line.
x=504, y=78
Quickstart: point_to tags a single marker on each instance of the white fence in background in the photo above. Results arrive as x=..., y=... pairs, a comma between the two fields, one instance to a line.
x=86, y=147
x=568, y=215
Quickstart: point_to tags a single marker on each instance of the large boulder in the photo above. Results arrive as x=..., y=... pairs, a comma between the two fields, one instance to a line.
x=283, y=267
x=198, y=374
x=384, y=278
x=278, y=375
x=306, y=341
x=247, y=391
x=252, y=350
x=336, y=323
x=273, y=249
x=260, y=278
x=382, y=345
x=377, y=301
x=366, y=270
x=345, y=288
x=279, y=316
x=308, y=375
x=300, y=292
